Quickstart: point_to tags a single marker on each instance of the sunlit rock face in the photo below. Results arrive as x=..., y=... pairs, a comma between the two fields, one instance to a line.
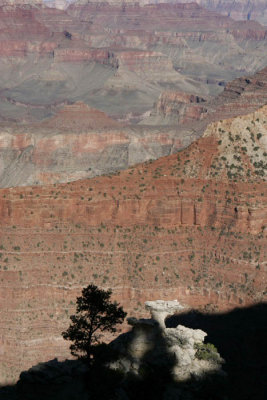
x=150, y=344
x=79, y=141
x=78, y=101
x=190, y=226
x=161, y=309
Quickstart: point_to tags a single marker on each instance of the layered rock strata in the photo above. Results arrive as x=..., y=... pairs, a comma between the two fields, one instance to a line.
x=49, y=57
x=190, y=226
x=80, y=141
x=194, y=113
x=238, y=9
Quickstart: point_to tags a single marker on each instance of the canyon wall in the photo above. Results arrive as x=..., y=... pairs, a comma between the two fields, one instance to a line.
x=238, y=9
x=52, y=57
x=206, y=206
x=240, y=96
x=79, y=141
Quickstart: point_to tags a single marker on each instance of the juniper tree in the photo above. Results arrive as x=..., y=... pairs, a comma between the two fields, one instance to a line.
x=95, y=314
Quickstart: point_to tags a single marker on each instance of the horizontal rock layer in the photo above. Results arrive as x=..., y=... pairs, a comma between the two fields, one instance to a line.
x=76, y=143
x=79, y=141
x=51, y=57
x=238, y=9
x=190, y=226
x=240, y=96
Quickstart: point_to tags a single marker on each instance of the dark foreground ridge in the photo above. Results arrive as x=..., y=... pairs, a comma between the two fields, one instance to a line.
x=239, y=335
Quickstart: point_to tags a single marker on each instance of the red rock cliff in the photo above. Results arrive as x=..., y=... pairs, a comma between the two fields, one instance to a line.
x=190, y=226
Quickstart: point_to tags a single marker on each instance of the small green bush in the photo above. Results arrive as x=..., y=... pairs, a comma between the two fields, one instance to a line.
x=207, y=351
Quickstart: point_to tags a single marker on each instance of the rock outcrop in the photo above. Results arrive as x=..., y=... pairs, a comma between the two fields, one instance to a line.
x=150, y=344
x=178, y=355
x=160, y=310
x=176, y=108
x=194, y=113
x=54, y=380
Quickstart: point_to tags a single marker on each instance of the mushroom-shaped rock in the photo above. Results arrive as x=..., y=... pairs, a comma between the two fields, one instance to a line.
x=149, y=344
x=160, y=309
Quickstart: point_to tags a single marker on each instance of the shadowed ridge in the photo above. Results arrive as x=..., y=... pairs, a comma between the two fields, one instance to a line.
x=240, y=337
x=8, y=392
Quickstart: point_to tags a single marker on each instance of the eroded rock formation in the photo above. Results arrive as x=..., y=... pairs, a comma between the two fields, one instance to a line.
x=80, y=141
x=190, y=226
x=49, y=57
x=150, y=344
x=177, y=355
x=239, y=97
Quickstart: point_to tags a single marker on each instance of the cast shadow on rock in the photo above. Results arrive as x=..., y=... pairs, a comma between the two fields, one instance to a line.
x=146, y=371
x=241, y=339
x=161, y=363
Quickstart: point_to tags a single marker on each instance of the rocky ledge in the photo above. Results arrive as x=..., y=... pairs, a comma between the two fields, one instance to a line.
x=179, y=354
x=150, y=344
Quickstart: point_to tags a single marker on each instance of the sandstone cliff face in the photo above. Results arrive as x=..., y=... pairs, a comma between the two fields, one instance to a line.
x=179, y=108
x=190, y=226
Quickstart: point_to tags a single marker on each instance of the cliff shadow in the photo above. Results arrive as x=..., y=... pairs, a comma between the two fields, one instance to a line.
x=146, y=371
x=152, y=362
x=241, y=339
x=162, y=363
x=8, y=392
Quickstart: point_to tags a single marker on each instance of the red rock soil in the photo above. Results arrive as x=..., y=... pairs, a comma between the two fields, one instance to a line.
x=190, y=226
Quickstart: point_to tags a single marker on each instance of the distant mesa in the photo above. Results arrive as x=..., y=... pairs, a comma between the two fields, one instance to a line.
x=238, y=10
